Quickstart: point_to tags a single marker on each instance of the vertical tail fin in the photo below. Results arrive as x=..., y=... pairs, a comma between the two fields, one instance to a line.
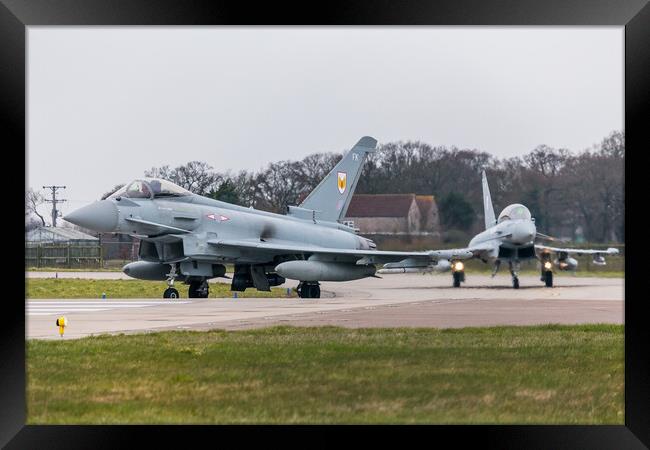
x=332, y=196
x=488, y=209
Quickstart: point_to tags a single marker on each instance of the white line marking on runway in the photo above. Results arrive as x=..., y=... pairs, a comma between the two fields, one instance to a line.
x=85, y=306
x=53, y=310
x=104, y=302
x=45, y=308
x=40, y=314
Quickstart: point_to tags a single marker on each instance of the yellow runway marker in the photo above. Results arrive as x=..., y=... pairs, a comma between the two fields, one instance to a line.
x=61, y=322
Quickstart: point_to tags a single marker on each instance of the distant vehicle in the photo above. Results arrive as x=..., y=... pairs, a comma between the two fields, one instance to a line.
x=189, y=237
x=511, y=239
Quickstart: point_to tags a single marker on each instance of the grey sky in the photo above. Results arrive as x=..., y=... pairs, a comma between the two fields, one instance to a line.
x=104, y=104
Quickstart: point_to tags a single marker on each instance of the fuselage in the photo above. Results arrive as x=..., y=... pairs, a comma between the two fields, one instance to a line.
x=511, y=238
x=213, y=219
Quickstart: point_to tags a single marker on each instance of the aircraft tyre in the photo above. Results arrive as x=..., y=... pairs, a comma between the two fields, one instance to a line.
x=196, y=291
x=458, y=277
x=308, y=290
x=548, y=278
x=171, y=293
x=515, y=282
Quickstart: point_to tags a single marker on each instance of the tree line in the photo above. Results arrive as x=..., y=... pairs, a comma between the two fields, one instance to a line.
x=565, y=191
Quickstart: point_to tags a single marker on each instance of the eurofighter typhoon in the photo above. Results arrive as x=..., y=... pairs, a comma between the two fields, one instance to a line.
x=190, y=238
x=510, y=238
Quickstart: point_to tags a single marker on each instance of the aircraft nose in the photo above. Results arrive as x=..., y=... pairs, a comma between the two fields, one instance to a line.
x=100, y=216
x=523, y=233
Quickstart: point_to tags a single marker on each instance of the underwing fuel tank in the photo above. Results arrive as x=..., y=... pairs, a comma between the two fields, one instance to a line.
x=568, y=264
x=443, y=265
x=323, y=271
x=144, y=270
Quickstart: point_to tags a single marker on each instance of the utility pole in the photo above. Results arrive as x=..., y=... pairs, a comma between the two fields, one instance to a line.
x=54, y=201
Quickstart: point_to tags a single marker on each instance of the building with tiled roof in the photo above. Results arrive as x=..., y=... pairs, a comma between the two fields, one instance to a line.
x=393, y=214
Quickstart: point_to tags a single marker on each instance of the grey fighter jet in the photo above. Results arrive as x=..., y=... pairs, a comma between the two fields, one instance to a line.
x=190, y=238
x=509, y=238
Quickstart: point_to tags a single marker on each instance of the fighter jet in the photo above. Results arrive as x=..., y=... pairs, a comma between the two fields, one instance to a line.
x=191, y=238
x=509, y=238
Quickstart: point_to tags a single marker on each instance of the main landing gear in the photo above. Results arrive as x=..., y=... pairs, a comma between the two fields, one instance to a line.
x=199, y=289
x=458, y=272
x=514, y=271
x=547, y=273
x=308, y=289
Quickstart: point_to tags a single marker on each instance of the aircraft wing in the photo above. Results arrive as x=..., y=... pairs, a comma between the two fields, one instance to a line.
x=478, y=251
x=576, y=251
x=484, y=249
x=361, y=257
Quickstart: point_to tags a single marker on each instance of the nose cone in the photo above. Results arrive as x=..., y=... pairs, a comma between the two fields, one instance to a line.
x=100, y=216
x=523, y=233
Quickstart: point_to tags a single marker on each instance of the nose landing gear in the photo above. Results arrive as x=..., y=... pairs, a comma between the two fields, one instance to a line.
x=514, y=271
x=171, y=292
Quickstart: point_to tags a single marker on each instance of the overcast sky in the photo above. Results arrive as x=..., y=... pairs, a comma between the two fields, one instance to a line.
x=107, y=103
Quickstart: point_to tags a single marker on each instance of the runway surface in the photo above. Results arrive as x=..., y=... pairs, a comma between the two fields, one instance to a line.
x=406, y=300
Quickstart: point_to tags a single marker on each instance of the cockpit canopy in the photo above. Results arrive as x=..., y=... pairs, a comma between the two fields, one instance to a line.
x=150, y=188
x=514, y=212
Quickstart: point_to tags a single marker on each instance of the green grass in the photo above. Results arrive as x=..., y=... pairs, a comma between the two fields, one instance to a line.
x=73, y=269
x=542, y=374
x=82, y=288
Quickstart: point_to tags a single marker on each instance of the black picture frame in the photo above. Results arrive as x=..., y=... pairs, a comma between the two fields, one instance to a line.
x=16, y=15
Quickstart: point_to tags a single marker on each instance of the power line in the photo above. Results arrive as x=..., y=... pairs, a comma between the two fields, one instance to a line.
x=54, y=201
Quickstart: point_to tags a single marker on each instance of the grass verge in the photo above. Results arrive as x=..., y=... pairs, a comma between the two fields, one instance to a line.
x=73, y=269
x=83, y=288
x=534, y=375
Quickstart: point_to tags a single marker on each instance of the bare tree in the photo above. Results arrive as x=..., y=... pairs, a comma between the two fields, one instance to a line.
x=116, y=188
x=33, y=199
x=163, y=172
x=563, y=190
x=195, y=176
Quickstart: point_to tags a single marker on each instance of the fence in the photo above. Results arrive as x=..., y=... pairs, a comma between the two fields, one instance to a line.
x=90, y=255
x=69, y=254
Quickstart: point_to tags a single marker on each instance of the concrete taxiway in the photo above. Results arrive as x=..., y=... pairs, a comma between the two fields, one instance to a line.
x=407, y=300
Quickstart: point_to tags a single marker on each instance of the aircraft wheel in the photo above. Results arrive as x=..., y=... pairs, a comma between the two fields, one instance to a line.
x=515, y=282
x=458, y=276
x=171, y=293
x=548, y=279
x=308, y=290
x=195, y=291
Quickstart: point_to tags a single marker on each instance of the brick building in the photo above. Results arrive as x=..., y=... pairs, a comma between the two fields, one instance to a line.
x=394, y=214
